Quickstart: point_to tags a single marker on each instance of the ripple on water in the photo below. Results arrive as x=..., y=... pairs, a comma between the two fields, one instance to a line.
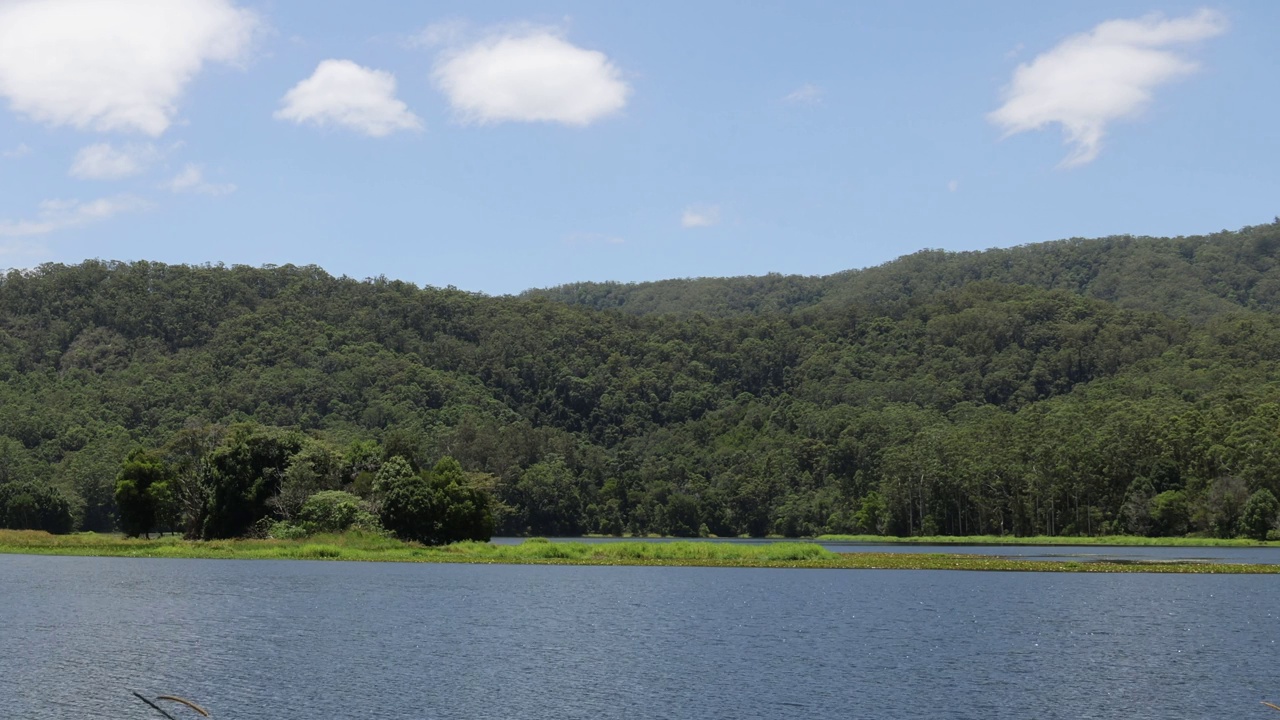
x=281, y=640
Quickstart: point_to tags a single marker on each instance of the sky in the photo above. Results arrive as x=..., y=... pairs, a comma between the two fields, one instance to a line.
x=501, y=146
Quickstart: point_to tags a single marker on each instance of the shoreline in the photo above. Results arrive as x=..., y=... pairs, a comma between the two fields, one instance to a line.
x=1056, y=540
x=1118, y=541
x=538, y=551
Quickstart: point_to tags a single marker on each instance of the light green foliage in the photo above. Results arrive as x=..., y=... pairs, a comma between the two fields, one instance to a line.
x=332, y=511
x=1171, y=513
x=287, y=531
x=314, y=468
x=366, y=547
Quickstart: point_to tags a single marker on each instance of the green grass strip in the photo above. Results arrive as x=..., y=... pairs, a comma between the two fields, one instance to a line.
x=537, y=551
x=1102, y=540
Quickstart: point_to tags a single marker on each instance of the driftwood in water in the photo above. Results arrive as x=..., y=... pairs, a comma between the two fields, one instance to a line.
x=171, y=698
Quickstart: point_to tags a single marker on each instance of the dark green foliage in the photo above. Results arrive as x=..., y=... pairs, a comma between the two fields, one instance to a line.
x=1260, y=515
x=1073, y=388
x=142, y=494
x=553, y=499
x=434, y=507
x=28, y=506
x=247, y=469
x=1223, y=506
x=1187, y=277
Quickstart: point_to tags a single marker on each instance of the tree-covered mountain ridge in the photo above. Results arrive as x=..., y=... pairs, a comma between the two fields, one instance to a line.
x=1123, y=385
x=1194, y=276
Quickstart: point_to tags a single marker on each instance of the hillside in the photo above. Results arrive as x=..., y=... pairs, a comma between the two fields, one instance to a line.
x=1124, y=385
x=1185, y=276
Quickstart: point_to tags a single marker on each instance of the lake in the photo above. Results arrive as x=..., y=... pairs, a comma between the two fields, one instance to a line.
x=338, y=640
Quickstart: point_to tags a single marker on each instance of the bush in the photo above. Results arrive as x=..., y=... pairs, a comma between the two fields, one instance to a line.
x=288, y=531
x=334, y=511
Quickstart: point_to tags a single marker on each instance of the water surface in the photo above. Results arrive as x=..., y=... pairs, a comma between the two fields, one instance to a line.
x=338, y=640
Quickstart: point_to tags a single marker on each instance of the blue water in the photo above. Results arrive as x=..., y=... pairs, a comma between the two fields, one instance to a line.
x=337, y=640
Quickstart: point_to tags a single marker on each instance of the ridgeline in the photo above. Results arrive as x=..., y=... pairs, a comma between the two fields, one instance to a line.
x=1081, y=387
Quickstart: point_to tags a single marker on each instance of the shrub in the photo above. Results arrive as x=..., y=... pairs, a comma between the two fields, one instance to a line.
x=334, y=511
x=288, y=531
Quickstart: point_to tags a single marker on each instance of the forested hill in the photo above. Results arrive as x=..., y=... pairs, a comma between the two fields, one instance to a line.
x=1185, y=276
x=1081, y=387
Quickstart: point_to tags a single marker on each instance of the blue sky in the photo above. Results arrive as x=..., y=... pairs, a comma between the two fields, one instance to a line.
x=507, y=145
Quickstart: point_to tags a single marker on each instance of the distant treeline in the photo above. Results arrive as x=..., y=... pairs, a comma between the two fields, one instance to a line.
x=1121, y=385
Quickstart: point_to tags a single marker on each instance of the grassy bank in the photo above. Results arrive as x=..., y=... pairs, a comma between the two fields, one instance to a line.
x=358, y=547
x=1104, y=540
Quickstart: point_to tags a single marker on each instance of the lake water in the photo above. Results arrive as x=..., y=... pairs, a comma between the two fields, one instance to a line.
x=338, y=640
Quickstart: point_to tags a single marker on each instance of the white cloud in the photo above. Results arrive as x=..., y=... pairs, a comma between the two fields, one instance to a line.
x=446, y=32
x=696, y=216
x=191, y=180
x=120, y=65
x=1094, y=78
x=57, y=215
x=953, y=186
x=530, y=75
x=22, y=150
x=343, y=93
x=103, y=161
x=806, y=94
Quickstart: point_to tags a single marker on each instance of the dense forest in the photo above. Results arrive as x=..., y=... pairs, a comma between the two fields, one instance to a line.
x=1118, y=385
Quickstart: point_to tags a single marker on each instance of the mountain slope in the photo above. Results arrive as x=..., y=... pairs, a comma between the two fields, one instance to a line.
x=1186, y=276
x=938, y=393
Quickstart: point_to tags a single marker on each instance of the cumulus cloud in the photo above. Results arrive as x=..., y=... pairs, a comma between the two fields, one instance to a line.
x=345, y=94
x=191, y=180
x=530, y=75
x=103, y=161
x=696, y=216
x=22, y=150
x=55, y=215
x=113, y=65
x=806, y=94
x=1109, y=73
